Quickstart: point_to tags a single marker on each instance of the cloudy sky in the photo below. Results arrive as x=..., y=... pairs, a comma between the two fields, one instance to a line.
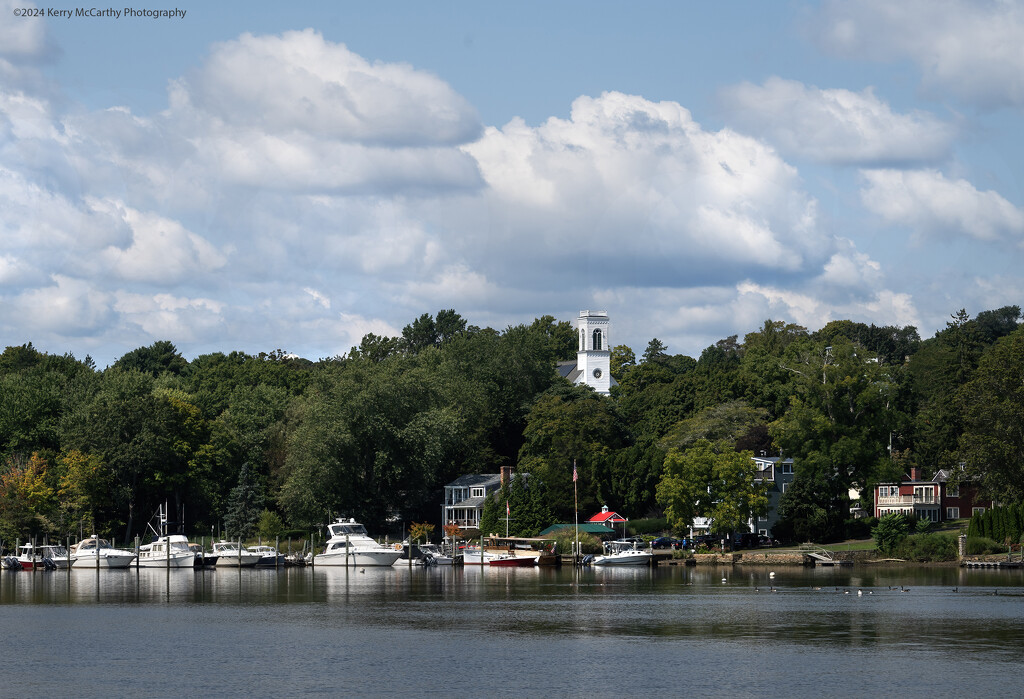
x=272, y=176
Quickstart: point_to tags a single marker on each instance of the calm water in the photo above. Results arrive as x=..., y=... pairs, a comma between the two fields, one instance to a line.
x=527, y=632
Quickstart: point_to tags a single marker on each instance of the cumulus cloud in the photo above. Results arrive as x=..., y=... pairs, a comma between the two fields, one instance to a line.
x=626, y=183
x=835, y=125
x=969, y=48
x=929, y=203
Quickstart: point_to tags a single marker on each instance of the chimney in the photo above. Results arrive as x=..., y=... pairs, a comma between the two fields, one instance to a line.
x=915, y=473
x=506, y=475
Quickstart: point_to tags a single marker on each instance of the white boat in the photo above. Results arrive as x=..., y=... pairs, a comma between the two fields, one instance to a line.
x=232, y=555
x=432, y=555
x=623, y=553
x=57, y=554
x=170, y=551
x=471, y=556
x=350, y=545
x=98, y=553
x=269, y=556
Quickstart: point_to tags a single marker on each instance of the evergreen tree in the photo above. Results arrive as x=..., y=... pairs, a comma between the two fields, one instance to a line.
x=245, y=505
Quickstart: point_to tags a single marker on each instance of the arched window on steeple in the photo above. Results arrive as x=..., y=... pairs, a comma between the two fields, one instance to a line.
x=597, y=339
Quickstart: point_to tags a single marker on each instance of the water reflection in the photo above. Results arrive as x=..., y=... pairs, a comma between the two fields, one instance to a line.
x=683, y=620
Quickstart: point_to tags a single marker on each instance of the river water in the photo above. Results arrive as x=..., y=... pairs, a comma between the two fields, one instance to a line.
x=514, y=632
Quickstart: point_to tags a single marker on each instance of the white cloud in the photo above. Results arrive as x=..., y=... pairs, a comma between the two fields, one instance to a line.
x=835, y=125
x=931, y=204
x=969, y=48
x=162, y=251
x=21, y=37
x=299, y=83
x=627, y=183
x=168, y=316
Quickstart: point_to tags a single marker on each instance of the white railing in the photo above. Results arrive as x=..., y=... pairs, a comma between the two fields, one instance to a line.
x=930, y=499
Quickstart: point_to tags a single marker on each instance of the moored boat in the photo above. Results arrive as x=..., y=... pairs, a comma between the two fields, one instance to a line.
x=514, y=561
x=350, y=545
x=95, y=552
x=170, y=551
x=270, y=557
x=232, y=555
x=623, y=553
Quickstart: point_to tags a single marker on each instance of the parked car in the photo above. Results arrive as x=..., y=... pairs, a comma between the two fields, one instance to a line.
x=664, y=542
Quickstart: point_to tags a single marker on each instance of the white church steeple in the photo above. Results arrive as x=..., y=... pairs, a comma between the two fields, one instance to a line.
x=593, y=358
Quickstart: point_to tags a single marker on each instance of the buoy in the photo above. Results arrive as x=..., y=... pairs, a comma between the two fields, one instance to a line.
x=724, y=580
x=771, y=574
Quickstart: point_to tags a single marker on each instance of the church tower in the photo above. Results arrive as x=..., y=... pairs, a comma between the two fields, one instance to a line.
x=593, y=358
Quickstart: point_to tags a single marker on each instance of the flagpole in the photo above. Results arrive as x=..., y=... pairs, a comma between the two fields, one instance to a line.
x=576, y=507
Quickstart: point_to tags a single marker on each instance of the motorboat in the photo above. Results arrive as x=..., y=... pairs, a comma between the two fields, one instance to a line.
x=56, y=554
x=231, y=554
x=270, y=557
x=623, y=553
x=350, y=545
x=202, y=558
x=433, y=555
x=29, y=557
x=169, y=551
x=95, y=552
x=473, y=556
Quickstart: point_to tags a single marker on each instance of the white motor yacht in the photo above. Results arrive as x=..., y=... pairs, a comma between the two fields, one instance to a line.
x=269, y=556
x=623, y=553
x=98, y=553
x=350, y=545
x=170, y=551
x=232, y=555
x=57, y=554
x=432, y=555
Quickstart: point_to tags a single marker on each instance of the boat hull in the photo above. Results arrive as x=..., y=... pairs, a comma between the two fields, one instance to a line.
x=642, y=559
x=176, y=560
x=103, y=561
x=515, y=562
x=382, y=558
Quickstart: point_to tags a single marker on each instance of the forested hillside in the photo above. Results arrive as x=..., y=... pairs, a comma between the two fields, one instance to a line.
x=230, y=440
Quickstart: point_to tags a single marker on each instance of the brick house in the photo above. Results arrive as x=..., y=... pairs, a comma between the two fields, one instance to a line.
x=936, y=500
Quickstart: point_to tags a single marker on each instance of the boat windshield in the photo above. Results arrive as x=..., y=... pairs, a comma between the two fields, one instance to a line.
x=348, y=529
x=90, y=544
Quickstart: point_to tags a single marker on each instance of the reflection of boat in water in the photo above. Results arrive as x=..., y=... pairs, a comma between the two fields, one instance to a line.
x=94, y=552
x=349, y=544
x=232, y=555
x=623, y=553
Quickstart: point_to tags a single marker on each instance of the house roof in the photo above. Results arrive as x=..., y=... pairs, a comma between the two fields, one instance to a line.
x=774, y=459
x=598, y=529
x=608, y=516
x=475, y=479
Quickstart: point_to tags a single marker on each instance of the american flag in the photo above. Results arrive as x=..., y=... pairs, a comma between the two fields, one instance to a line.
x=508, y=512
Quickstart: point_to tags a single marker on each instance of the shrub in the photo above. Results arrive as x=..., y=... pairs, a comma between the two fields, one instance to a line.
x=981, y=546
x=565, y=538
x=860, y=528
x=927, y=547
x=891, y=530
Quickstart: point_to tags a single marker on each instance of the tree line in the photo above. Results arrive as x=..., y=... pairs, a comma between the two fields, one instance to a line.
x=233, y=440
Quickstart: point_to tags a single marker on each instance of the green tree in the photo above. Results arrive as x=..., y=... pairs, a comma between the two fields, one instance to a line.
x=992, y=445
x=891, y=530
x=703, y=481
x=245, y=506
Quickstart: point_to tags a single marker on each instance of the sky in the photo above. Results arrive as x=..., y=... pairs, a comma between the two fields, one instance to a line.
x=256, y=176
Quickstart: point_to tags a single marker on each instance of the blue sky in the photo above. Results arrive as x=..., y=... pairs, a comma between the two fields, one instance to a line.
x=270, y=177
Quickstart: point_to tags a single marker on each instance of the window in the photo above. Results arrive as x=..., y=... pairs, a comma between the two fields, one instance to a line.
x=952, y=491
x=476, y=493
x=978, y=511
x=784, y=486
x=952, y=513
x=597, y=339
x=787, y=468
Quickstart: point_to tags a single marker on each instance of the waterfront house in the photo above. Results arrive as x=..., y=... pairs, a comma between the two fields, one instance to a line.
x=935, y=500
x=464, y=498
x=777, y=474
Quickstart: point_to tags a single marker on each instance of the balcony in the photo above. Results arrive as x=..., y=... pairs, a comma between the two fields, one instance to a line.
x=909, y=500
